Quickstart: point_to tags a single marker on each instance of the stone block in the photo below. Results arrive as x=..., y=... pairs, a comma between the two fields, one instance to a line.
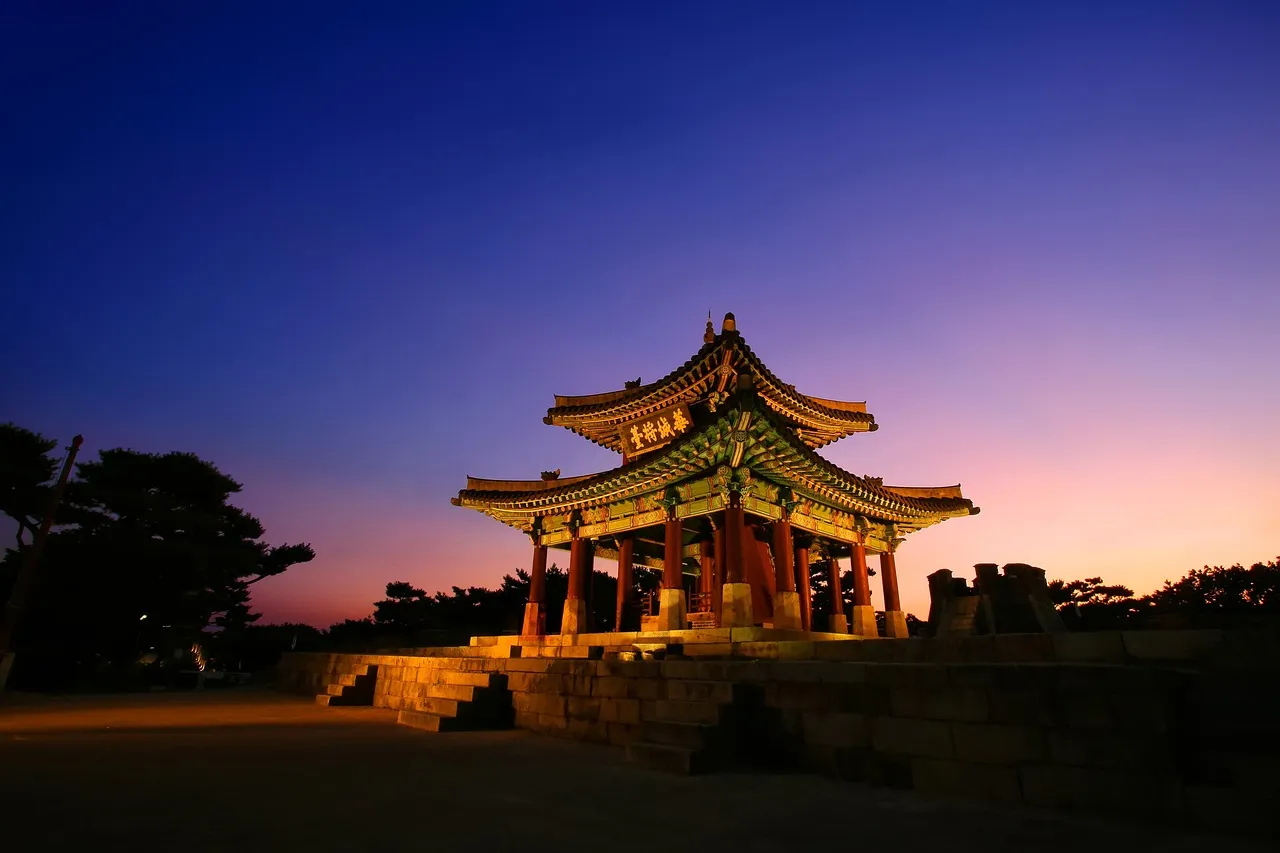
x=818, y=671
x=1173, y=645
x=582, y=708
x=621, y=734
x=926, y=738
x=786, y=611
x=1089, y=647
x=1027, y=706
x=863, y=623
x=841, y=650
x=539, y=703
x=709, y=650
x=895, y=624
x=552, y=723
x=859, y=698
x=1139, y=712
x=973, y=675
x=686, y=690
x=993, y=743
x=528, y=665
x=685, y=669
x=1030, y=675
x=630, y=669
x=1080, y=710
x=1024, y=648
x=939, y=703
x=574, y=618
x=962, y=779
x=736, y=607
x=800, y=696
x=620, y=711
x=827, y=728
x=907, y=674
x=681, y=712
x=1109, y=750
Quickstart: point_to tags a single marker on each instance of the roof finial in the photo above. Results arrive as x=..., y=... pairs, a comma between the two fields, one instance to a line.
x=729, y=324
x=710, y=334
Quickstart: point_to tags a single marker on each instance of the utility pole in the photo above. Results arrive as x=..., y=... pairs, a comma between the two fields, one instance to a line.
x=12, y=614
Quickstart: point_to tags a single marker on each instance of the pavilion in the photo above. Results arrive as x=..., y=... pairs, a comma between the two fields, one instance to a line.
x=721, y=487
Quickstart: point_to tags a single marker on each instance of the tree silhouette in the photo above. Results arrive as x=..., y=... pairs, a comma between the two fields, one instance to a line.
x=26, y=474
x=144, y=534
x=1220, y=596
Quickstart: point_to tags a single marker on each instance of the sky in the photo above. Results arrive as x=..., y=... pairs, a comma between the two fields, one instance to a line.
x=349, y=252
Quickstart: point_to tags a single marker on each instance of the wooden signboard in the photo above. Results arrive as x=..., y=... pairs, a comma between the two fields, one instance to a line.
x=653, y=431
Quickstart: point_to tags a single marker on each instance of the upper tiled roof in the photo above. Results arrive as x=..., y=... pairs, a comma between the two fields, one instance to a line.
x=708, y=377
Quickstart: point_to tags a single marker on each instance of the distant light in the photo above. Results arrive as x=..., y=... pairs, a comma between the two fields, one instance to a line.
x=143, y=616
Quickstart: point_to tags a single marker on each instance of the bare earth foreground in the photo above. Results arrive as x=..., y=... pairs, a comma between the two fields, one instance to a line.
x=246, y=770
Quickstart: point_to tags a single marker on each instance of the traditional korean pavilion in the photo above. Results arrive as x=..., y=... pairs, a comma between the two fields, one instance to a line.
x=720, y=486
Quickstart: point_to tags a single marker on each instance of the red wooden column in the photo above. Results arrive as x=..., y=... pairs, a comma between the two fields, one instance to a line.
x=671, y=601
x=806, y=591
x=733, y=527
x=534, y=611
x=706, y=568
x=786, y=602
x=864, y=615
x=574, y=620
x=626, y=558
x=736, y=608
x=717, y=568
x=895, y=621
x=837, y=622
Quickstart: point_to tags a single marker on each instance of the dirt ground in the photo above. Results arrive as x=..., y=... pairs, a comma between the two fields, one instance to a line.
x=248, y=769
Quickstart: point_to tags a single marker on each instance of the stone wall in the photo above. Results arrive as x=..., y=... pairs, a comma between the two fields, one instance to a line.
x=984, y=718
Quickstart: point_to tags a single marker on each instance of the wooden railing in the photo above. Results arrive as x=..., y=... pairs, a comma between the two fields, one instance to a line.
x=701, y=602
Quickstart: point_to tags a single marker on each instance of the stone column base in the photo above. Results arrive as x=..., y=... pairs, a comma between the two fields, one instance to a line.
x=735, y=611
x=533, y=625
x=574, y=620
x=671, y=609
x=786, y=611
x=895, y=624
x=864, y=621
x=837, y=624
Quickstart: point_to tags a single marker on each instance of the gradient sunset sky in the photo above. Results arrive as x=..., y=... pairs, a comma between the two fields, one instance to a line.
x=348, y=252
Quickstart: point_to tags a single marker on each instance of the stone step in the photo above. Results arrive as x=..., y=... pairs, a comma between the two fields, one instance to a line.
x=675, y=733
x=426, y=722
x=456, y=692
x=667, y=758
x=670, y=710
x=437, y=706
x=470, y=679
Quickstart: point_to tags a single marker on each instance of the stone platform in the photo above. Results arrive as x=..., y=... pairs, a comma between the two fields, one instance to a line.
x=1170, y=726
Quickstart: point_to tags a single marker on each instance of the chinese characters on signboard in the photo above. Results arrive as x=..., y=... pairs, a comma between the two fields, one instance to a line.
x=653, y=431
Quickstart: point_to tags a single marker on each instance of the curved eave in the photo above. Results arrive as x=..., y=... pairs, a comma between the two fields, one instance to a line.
x=783, y=458
x=596, y=416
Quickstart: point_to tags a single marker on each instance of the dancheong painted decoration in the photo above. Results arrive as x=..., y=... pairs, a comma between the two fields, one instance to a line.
x=720, y=486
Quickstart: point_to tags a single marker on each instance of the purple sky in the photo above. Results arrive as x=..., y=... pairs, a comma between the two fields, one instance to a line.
x=349, y=253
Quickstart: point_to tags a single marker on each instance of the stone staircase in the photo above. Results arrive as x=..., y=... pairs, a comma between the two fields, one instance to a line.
x=457, y=700
x=693, y=731
x=354, y=688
